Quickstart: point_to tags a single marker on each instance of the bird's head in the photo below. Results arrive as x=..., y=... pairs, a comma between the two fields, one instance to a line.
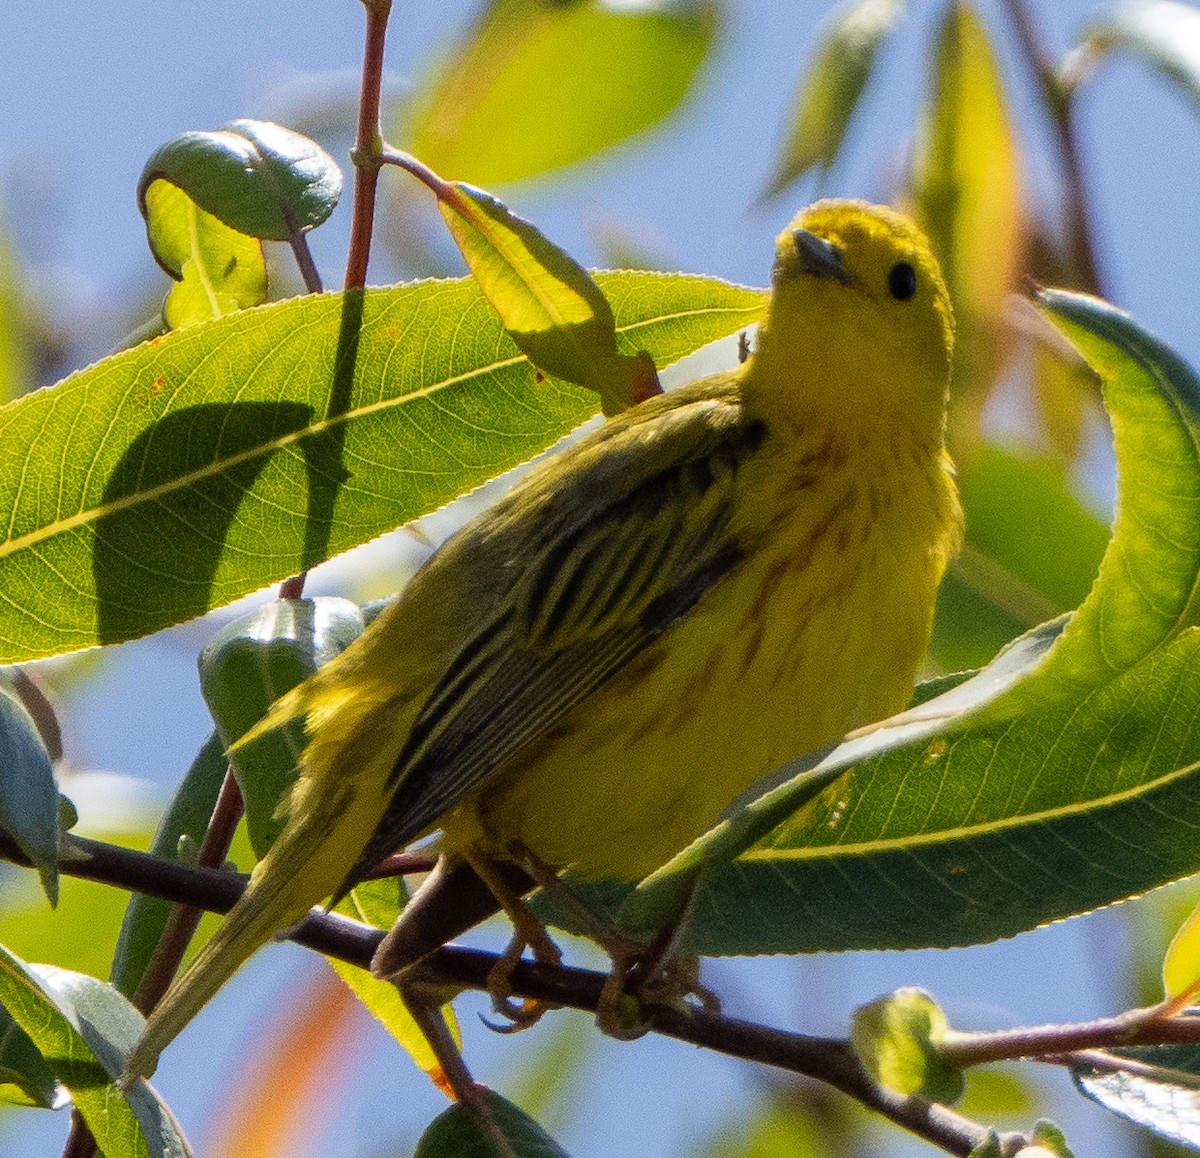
x=859, y=313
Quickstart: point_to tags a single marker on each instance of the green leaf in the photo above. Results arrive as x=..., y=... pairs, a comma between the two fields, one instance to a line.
x=201, y=466
x=217, y=270
x=1010, y=800
x=1048, y=1140
x=966, y=186
x=15, y=362
x=379, y=903
x=1032, y=552
x=896, y=1037
x=830, y=92
x=550, y=307
x=486, y=116
x=83, y=1029
x=187, y=816
x=1156, y=1087
x=28, y=793
x=257, y=177
x=1161, y=33
x=251, y=663
x=459, y=1133
x=25, y=1078
x=989, y=1148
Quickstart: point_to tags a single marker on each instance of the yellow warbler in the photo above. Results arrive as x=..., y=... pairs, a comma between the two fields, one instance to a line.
x=719, y=579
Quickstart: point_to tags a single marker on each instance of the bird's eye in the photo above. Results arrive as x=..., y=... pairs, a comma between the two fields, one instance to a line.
x=902, y=281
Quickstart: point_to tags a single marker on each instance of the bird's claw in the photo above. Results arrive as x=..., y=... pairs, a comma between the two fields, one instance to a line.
x=518, y=1015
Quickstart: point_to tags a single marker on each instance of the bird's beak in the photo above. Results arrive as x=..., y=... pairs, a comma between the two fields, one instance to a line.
x=820, y=258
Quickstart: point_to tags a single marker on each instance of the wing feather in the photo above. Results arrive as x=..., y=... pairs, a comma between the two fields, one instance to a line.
x=617, y=554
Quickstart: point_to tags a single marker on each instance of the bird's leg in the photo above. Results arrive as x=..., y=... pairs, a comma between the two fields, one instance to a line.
x=657, y=973
x=454, y=1077
x=528, y=932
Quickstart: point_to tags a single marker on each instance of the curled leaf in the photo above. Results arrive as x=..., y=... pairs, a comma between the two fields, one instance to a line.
x=217, y=270
x=896, y=1038
x=1162, y=33
x=250, y=663
x=255, y=176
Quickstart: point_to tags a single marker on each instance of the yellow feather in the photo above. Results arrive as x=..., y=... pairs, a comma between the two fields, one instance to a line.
x=720, y=579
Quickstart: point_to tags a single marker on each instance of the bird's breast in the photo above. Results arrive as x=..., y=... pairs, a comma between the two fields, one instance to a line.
x=817, y=630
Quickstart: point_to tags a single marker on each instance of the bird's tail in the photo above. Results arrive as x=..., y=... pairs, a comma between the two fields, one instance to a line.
x=263, y=909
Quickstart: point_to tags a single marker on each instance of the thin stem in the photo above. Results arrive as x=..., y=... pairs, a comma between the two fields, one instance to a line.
x=298, y=240
x=183, y=920
x=1059, y=102
x=80, y=1141
x=1136, y=1027
x=367, y=145
x=293, y=588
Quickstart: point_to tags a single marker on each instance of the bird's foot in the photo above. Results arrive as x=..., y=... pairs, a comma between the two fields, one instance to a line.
x=528, y=933
x=640, y=981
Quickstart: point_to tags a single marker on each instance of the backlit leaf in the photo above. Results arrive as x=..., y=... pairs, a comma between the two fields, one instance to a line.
x=966, y=186
x=217, y=270
x=539, y=84
x=198, y=467
x=549, y=305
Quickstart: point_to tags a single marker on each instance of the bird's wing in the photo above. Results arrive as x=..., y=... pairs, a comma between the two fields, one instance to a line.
x=619, y=550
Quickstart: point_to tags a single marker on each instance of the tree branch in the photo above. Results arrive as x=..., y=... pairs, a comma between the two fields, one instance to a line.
x=825, y=1059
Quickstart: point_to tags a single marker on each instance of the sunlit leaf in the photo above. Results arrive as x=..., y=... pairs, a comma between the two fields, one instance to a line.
x=196, y=468
x=550, y=306
x=217, y=270
x=84, y=1028
x=495, y=111
x=896, y=1037
x=1181, y=965
x=1157, y=1087
x=257, y=177
x=966, y=185
x=1047, y=1141
x=379, y=903
x=25, y=1078
x=832, y=87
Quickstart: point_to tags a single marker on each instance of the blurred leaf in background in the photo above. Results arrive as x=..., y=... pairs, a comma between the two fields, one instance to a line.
x=535, y=85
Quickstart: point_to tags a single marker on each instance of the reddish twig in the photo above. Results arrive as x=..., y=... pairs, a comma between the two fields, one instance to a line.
x=184, y=919
x=367, y=145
